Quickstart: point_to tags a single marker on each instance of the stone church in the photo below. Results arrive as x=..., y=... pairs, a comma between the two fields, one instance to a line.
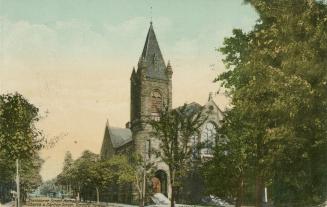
x=151, y=88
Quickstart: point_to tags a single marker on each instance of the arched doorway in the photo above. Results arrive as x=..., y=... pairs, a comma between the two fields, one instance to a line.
x=159, y=182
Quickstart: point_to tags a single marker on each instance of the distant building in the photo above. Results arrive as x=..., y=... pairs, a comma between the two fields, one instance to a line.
x=151, y=88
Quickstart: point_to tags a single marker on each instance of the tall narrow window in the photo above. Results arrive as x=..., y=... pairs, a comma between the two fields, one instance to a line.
x=208, y=137
x=156, y=103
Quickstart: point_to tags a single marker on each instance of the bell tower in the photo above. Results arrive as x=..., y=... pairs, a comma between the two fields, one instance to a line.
x=151, y=89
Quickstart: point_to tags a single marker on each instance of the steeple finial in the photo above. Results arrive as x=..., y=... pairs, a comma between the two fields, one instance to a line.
x=107, y=123
x=151, y=15
x=133, y=74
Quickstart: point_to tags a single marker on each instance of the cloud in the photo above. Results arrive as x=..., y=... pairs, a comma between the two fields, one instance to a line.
x=75, y=43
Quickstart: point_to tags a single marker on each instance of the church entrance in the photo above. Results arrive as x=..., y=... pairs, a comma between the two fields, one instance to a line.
x=159, y=182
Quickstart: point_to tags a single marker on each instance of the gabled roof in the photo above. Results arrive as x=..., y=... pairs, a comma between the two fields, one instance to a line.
x=114, y=138
x=120, y=136
x=152, y=56
x=212, y=102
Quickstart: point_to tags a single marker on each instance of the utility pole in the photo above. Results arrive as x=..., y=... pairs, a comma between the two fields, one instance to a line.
x=145, y=156
x=266, y=196
x=17, y=184
x=144, y=182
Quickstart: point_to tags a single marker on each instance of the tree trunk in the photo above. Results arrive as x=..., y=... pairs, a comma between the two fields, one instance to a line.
x=239, y=198
x=259, y=191
x=172, y=183
x=141, y=203
x=98, y=197
x=172, y=200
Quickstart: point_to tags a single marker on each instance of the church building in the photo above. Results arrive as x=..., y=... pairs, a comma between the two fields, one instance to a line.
x=151, y=88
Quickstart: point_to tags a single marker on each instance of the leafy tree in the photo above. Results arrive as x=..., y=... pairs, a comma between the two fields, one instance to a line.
x=7, y=175
x=192, y=188
x=30, y=175
x=175, y=130
x=80, y=175
x=89, y=172
x=65, y=177
x=122, y=170
x=276, y=76
x=19, y=139
x=229, y=172
x=68, y=161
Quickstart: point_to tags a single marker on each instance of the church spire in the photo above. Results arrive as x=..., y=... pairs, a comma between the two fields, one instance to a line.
x=151, y=54
x=107, y=123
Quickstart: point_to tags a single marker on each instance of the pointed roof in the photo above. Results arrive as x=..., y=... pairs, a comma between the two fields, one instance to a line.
x=117, y=136
x=152, y=56
x=211, y=102
x=120, y=136
x=107, y=123
x=133, y=74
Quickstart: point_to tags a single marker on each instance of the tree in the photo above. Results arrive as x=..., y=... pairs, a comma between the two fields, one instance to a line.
x=122, y=170
x=65, y=177
x=81, y=174
x=89, y=172
x=68, y=161
x=175, y=130
x=19, y=139
x=276, y=77
x=7, y=174
x=86, y=172
x=229, y=172
x=30, y=175
x=136, y=172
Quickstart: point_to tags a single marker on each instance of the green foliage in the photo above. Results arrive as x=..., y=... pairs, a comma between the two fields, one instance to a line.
x=89, y=172
x=19, y=139
x=68, y=161
x=48, y=187
x=30, y=175
x=117, y=170
x=175, y=130
x=226, y=173
x=277, y=79
x=82, y=173
x=7, y=175
x=121, y=170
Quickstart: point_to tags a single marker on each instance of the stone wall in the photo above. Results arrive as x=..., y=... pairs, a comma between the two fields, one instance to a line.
x=141, y=105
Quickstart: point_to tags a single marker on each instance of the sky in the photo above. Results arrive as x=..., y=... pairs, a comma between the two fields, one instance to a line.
x=73, y=59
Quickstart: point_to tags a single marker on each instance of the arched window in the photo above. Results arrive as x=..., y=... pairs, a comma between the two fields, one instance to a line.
x=156, y=102
x=208, y=137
